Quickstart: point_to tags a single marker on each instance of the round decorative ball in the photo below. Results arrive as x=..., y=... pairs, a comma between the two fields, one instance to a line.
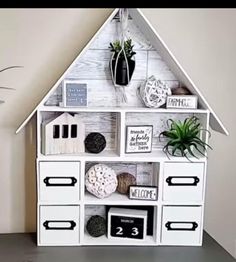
x=95, y=142
x=124, y=181
x=154, y=92
x=101, y=181
x=96, y=226
x=182, y=90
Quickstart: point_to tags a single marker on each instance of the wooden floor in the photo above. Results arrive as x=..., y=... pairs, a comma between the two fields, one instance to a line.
x=22, y=248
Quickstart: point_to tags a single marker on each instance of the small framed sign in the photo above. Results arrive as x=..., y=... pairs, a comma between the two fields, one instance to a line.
x=182, y=101
x=127, y=223
x=74, y=94
x=143, y=192
x=139, y=139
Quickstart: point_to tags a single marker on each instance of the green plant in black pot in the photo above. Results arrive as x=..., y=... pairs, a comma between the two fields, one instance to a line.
x=122, y=63
x=183, y=138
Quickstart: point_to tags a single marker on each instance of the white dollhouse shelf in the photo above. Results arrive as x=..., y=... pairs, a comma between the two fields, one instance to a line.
x=176, y=216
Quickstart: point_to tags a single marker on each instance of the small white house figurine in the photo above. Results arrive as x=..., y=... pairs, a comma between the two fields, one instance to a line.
x=63, y=135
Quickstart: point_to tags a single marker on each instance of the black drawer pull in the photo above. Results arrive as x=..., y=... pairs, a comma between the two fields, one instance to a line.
x=194, y=180
x=53, y=226
x=71, y=181
x=170, y=225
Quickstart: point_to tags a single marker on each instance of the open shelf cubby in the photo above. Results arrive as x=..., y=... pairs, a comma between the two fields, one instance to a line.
x=146, y=174
x=106, y=123
x=160, y=122
x=151, y=238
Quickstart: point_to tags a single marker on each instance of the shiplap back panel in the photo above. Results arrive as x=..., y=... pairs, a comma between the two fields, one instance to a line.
x=93, y=68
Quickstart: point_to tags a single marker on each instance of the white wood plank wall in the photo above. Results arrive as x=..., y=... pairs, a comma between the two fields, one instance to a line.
x=93, y=68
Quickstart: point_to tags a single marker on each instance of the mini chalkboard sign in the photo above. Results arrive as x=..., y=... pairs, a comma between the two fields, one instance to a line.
x=74, y=94
x=182, y=101
x=143, y=192
x=139, y=139
x=127, y=223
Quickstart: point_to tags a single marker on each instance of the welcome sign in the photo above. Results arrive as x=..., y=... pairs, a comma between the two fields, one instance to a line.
x=143, y=192
x=139, y=139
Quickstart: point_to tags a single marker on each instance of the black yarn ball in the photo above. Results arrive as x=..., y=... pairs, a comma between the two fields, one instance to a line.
x=96, y=226
x=95, y=142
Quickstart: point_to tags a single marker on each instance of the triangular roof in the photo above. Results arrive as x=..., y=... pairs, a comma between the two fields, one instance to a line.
x=156, y=41
x=53, y=119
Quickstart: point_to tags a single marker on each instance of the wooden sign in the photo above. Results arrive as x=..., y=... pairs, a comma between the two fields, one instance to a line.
x=182, y=101
x=74, y=94
x=143, y=192
x=127, y=223
x=139, y=139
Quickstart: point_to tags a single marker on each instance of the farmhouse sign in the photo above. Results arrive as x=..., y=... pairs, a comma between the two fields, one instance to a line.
x=182, y=102
x=139, y=139
x=143, y=192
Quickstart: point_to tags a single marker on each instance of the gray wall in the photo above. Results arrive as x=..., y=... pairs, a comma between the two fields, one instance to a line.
x=45, y=41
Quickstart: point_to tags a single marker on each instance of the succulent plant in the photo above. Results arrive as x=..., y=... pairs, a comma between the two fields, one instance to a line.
x=128, y=48
x=183, y=138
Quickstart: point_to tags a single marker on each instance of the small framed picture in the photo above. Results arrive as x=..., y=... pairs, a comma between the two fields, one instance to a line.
x=74, y=94
x=143, y=192
x=182, y=101
x=139, y=139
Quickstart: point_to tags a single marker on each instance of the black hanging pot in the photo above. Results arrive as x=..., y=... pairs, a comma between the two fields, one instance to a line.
x=120, y=71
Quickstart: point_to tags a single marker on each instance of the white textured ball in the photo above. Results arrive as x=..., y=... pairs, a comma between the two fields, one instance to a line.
x=101, y=181
x=154, y=92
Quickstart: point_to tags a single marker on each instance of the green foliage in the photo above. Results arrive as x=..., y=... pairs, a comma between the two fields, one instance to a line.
x=128, y=48
x=183, y=137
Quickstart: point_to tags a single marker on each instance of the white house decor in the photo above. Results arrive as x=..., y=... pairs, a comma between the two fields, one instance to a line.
x=74, y=94
x=143, y=192
x=154, y=92
x=139, y=139
x=101, y=181
x=182, y=101
x=63, y=135
x=64, y=177
x=127, y=223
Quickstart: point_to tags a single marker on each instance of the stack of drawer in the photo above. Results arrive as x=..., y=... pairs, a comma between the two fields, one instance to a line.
x=58, y=198
x=182, y=198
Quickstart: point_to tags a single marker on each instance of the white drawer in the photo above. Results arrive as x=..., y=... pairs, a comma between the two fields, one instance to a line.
x=183, y=182
x=59, y=182
x=181, y=225
x=58, y=225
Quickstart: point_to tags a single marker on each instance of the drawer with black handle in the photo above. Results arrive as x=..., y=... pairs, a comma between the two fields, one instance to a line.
x=58, y=225
x=58, y=182
x=183, y=182
x=181, y=225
